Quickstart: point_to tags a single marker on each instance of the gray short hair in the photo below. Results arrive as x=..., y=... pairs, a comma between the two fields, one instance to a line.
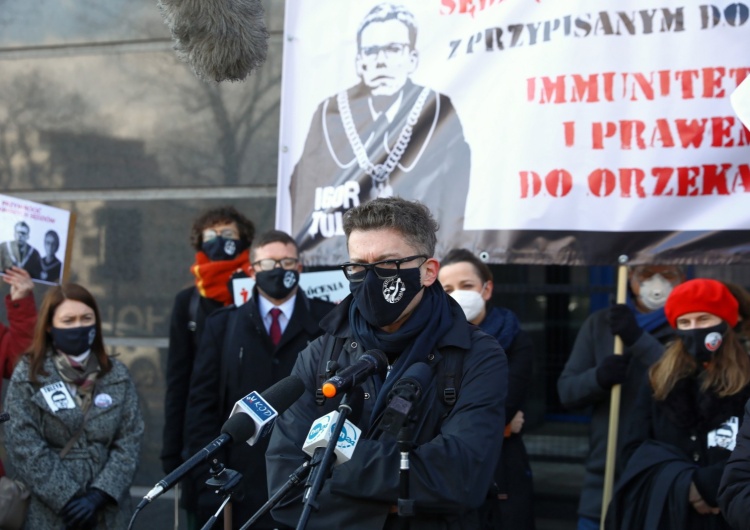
x=388, y=11
x=412, y=219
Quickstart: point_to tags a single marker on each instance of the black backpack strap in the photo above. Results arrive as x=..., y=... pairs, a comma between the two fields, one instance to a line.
x=328, y=364
x=449, y=381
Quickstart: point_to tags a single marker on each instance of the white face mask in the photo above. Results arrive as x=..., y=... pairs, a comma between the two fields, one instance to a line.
x=654, y=292
x=470, y=301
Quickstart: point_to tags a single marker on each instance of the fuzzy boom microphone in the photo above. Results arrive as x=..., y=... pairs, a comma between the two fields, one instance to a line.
x=220, y=39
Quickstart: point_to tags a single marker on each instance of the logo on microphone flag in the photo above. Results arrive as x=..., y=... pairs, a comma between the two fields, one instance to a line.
x=322, y=431
x=262, y=413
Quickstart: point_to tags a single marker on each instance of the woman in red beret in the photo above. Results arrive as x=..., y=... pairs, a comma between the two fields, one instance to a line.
x=685, y=422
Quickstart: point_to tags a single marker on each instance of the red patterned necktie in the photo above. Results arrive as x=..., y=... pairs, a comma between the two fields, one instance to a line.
x=275, y=330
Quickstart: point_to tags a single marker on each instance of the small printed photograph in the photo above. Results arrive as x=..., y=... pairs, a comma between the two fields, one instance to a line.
x=33, y=237
x=725, y=435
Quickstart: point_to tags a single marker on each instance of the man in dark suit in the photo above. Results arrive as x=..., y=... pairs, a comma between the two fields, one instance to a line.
x=385, y=136
x=248, y=348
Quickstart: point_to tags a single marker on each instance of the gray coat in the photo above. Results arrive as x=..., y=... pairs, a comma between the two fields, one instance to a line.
x=105, y=456
x=579, y=389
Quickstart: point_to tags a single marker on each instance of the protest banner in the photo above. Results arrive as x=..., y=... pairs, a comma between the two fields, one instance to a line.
x=537, y=132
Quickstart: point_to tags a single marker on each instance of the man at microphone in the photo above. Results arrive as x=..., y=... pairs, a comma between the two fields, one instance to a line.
x=248, y=348
x=398, y=306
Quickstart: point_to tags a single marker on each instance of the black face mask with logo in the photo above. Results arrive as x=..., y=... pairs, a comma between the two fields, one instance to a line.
x=223, y=249
x=277, y=283
x=381, y=302
x=703, y=343
x=73, y=341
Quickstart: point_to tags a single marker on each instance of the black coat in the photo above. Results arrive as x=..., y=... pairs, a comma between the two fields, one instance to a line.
x=734, y=491
x=683, y=422
x=183, y=344
x=509, y=503
x=455, y=455
x=236, y=357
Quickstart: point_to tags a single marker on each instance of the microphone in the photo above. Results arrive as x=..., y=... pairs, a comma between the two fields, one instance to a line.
x=406, y=392
x=322, y=429
x=252, y=421
x=220, y=40
x=370, y=363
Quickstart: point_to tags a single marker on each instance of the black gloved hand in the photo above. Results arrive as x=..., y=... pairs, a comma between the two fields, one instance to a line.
x=622, y=322
x=80, y=512
x=612, y=370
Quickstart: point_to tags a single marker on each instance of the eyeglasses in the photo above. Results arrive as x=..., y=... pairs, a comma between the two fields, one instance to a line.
x=227, y=233
x=390, y=50
x=384, y=269
x=269, y=264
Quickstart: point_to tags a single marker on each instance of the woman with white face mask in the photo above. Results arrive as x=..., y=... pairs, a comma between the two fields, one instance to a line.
x=469, y=281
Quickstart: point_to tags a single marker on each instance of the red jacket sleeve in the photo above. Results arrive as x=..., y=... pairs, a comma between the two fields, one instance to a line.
x=16, y=337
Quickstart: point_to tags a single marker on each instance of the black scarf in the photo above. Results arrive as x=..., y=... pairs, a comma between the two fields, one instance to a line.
x=413, y=341
x=688, y=406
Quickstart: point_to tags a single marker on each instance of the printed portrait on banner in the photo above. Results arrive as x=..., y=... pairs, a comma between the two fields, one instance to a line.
x=384, y=136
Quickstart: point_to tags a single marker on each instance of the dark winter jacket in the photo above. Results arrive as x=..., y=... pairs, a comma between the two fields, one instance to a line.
x=237, y=357
x=579, y=389
x=185, y=332
x=685, y=422
x=510, y=502
x=734, y=490
x=105, y=456
x=450, y=468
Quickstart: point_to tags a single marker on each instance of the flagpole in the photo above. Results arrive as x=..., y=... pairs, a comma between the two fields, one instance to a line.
x=614, y=404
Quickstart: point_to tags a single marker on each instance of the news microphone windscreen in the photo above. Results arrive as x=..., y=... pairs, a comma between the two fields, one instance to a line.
x=284, y=393
x=415, y=379
x=240, y=427
x=220, y=39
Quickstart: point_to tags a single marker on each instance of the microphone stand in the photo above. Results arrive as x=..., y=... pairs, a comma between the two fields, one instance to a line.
x=225, y=481
x=295, y=478
x=405, y=504
x=327, y=459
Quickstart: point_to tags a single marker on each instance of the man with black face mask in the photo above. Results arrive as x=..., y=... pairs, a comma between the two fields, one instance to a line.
x=221, y=238
x=398, y=306
x=248, y=348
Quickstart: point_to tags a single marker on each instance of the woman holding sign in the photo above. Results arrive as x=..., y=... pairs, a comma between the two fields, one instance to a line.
x=75, y=429
x=685, y=422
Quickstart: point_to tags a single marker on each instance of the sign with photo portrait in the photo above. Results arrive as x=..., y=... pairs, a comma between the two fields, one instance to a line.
x=35, y=237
